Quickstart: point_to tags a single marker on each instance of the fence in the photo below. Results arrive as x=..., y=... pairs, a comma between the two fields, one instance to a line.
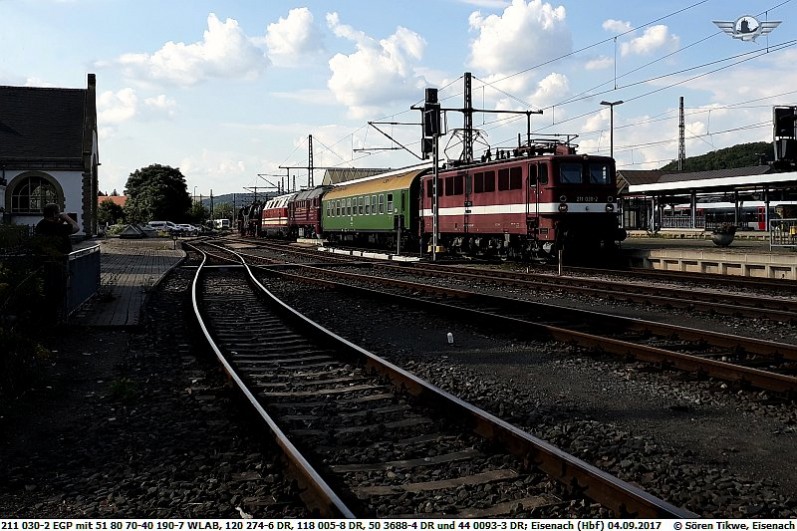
x=17, y=254
x=783, y=232
x=84, y=277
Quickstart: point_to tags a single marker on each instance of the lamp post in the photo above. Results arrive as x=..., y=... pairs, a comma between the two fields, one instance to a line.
x=611, y=105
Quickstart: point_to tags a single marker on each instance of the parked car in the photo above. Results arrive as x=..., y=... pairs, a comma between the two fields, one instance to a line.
x=189, y=229
x=165, y=226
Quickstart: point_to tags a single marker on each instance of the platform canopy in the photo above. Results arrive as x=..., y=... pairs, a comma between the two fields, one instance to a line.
x=751, y=178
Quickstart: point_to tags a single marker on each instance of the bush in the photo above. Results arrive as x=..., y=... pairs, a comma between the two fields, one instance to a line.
x=21, y=303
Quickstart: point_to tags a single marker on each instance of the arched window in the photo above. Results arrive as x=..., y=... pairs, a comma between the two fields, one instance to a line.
x=32, y=193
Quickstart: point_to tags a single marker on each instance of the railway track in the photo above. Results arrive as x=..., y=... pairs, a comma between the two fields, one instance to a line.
x=366, y=438
x=726, y=357
x=749, y=362
x=751, y=305
x=640, y=286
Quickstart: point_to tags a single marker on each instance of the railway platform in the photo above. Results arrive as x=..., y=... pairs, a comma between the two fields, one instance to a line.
x=750, y=254
x=129, y=269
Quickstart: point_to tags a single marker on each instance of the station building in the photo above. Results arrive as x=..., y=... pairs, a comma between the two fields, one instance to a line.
x=49, y=153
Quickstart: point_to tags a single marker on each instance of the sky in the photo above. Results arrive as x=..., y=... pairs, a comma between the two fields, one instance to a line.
x=231, y=92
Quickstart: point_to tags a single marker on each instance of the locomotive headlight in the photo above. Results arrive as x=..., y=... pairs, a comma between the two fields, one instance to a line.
x=610, y=199
x=563, y=207
x=563, y=198
x=609, y=207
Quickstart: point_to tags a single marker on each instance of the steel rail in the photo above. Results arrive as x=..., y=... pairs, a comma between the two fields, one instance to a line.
x=729, y=304
x=718, y=369
x=319, y=495
x=622, y=497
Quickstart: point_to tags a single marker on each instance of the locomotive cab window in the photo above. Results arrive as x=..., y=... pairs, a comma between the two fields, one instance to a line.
x=570, y=173
x=599, y=173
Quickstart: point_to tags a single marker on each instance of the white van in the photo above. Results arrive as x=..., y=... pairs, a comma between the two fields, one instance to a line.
x=165, y=226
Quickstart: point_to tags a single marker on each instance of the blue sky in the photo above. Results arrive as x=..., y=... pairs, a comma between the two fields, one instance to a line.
x=230, y=90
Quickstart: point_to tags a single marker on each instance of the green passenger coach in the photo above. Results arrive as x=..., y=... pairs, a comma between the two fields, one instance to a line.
x=375, y=209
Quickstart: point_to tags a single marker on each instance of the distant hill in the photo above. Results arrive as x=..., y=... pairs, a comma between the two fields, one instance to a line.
x=737, y=156
x=236, y=200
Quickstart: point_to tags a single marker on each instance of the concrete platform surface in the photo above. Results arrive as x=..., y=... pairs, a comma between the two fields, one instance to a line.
x=129, y=268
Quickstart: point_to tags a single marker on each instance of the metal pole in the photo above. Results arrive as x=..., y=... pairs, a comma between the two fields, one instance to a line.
x=611, y=105
x=435, y=197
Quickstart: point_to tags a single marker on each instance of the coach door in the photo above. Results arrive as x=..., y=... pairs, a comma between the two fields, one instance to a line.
x=467, y=202
x=533, y=200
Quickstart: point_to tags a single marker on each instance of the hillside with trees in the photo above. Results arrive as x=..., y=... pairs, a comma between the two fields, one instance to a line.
x=737, y=156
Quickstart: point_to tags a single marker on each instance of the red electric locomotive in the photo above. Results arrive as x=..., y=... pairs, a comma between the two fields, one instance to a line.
x=530, y=202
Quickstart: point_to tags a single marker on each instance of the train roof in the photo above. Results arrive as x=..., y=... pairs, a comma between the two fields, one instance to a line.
x=279, y=201
x=394, y=180
x=312, y=193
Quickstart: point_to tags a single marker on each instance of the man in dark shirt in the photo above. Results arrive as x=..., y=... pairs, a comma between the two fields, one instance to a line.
x=55, y=230
x=52, y=234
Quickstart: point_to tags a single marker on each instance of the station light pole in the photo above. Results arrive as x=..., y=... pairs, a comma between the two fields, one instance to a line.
x=611, y=105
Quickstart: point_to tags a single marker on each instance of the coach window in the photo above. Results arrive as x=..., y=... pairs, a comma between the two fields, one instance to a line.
x=367, y=204
x=598, y=173
x=459, y=185
x=478, y=182
x=503, y=179
x=337, y=207
x=373, y=204
x=361, y=203
x=542, y=174
x=532, y=175
x=389, y=203
x=570, y=173
x=348, y=206
x=381, y=203
x=515, y=178
x=489, y=181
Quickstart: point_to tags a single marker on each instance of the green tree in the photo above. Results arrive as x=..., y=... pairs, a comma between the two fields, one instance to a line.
x=198, y=213
x=223, y=210
x=737, y=156
x=109, y=212
x=156, y=192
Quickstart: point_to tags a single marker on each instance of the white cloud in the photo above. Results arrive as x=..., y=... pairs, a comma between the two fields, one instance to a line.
x=224, y=52
x=654, y=38
x=379, y=72
x=293, y=37
x=551, y=90
x=522, y=37
x=213, y=164
x=161, y=105
x=599, y=63
x=114, y=108
x=616, y=26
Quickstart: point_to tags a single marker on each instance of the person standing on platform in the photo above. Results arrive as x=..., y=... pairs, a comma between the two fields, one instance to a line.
x=53, y=242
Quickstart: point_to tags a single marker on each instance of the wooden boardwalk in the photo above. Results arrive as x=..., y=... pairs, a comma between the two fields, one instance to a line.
x=129, y=268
